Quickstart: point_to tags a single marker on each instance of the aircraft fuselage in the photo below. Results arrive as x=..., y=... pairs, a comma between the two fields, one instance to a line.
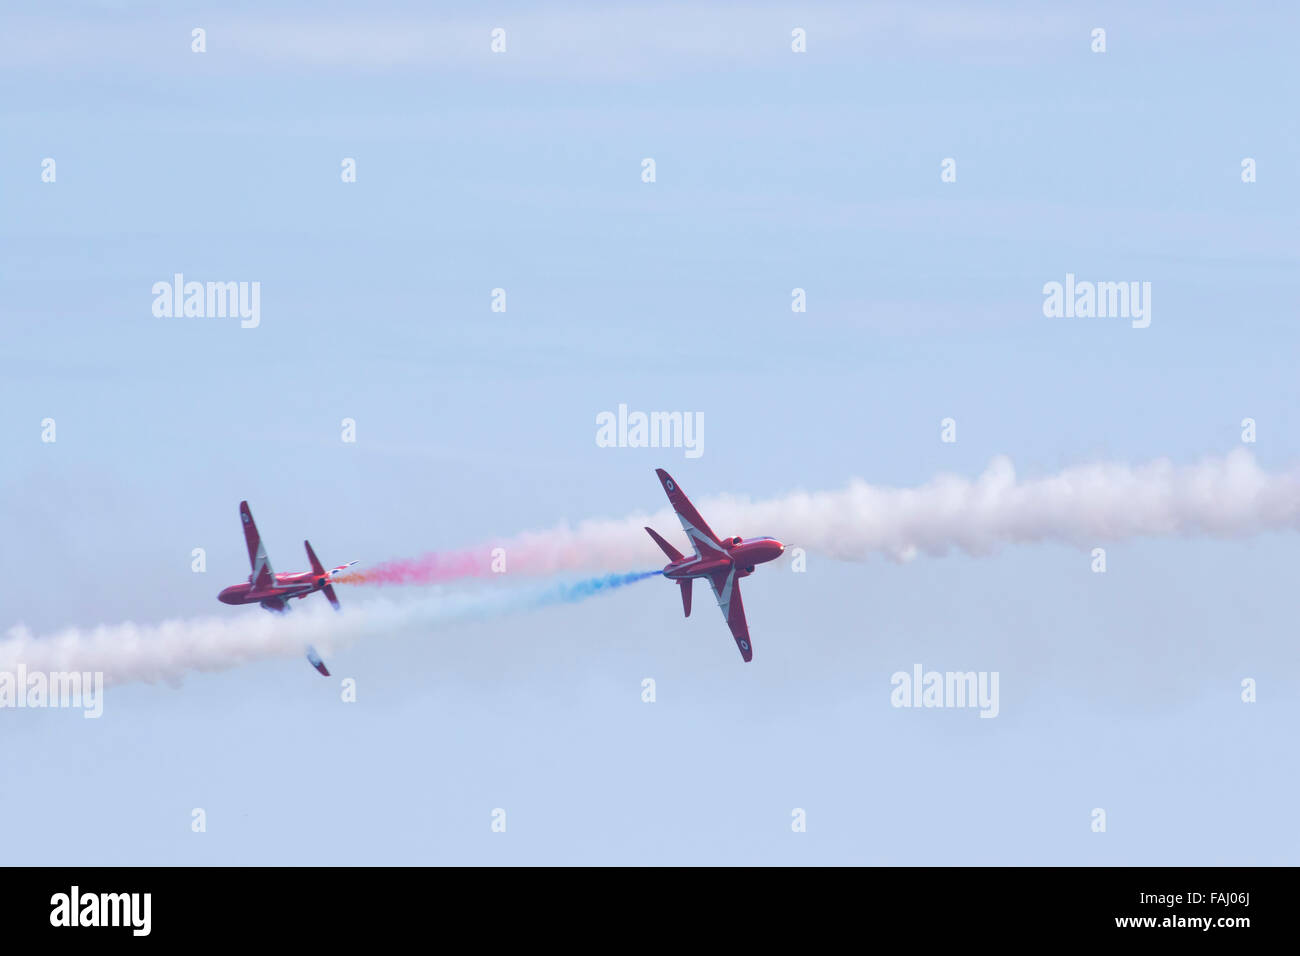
x=742, y=554
x=293, y=585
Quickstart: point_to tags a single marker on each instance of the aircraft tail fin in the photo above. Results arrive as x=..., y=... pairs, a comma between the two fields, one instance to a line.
x=317, y=568
x=685, y=584
x=668, y=549
x=322, y=576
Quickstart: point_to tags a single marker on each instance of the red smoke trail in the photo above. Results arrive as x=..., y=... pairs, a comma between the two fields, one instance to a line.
x=1080, y=505
x=591, y=546
x=426, y=569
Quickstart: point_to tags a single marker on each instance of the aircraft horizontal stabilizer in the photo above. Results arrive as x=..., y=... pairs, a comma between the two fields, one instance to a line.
x=668, y=549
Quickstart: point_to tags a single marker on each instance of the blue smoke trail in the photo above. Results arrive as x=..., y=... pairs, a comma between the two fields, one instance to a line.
x=573, y=592
x=492, y=603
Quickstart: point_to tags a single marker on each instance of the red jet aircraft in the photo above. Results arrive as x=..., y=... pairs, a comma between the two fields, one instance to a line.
x=274, y=591
x=722, y=562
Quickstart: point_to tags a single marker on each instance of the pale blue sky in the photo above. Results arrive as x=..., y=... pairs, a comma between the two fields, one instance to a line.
x=775, y=170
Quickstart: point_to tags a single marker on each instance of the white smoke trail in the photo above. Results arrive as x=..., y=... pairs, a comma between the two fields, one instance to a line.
x=1084, y=506
x=167, y=651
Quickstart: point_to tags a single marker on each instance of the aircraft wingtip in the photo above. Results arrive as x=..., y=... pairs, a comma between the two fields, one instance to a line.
x=314, y=659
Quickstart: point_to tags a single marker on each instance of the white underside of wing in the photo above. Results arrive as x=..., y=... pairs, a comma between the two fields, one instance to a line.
x=700, y=541
x=723, y=596
x=263, y=563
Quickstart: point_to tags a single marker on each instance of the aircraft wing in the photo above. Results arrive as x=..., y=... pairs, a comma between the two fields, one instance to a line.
x=703, y=540
x=726, y=588
x=262, y=577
